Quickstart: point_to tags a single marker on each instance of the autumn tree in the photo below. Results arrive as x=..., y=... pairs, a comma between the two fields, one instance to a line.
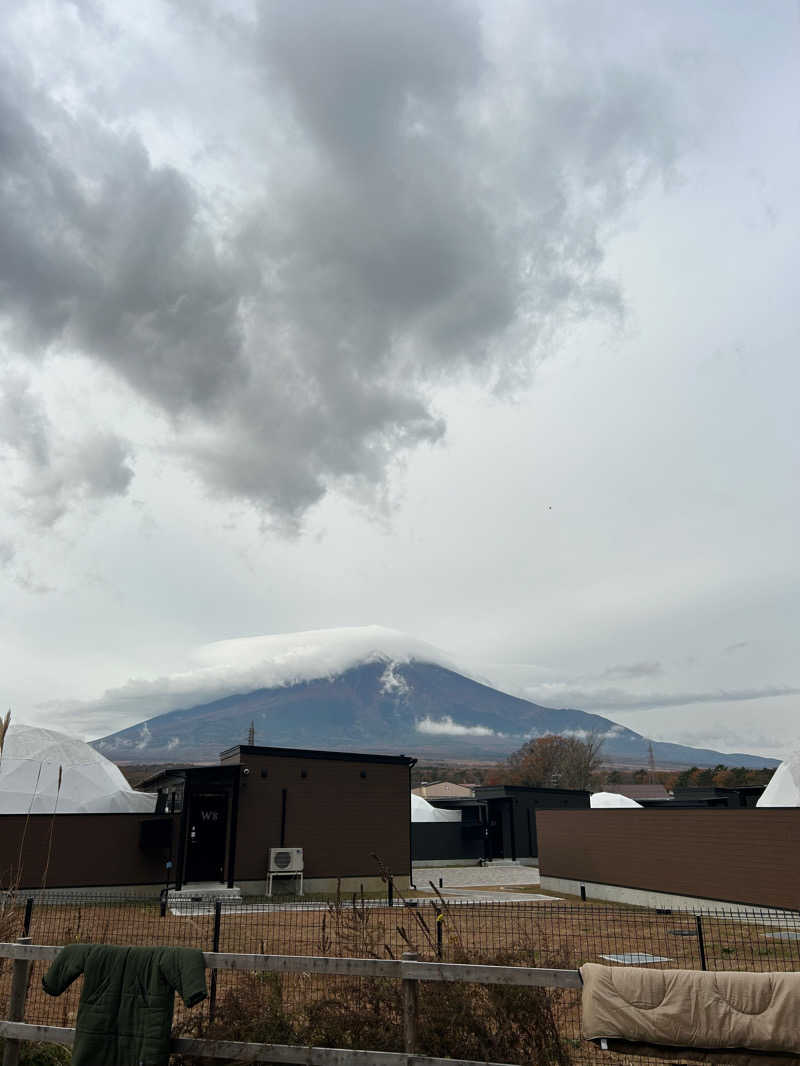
x=554, y=761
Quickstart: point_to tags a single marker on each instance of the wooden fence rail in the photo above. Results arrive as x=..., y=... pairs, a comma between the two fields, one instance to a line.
x=408, y=970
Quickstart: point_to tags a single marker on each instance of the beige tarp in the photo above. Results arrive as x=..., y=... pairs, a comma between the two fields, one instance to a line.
x=692, y=1008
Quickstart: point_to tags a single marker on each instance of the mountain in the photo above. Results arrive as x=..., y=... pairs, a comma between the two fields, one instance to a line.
x=384, y=705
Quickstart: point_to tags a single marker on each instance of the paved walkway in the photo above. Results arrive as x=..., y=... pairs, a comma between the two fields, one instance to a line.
x=493, y=883
x=475, y=882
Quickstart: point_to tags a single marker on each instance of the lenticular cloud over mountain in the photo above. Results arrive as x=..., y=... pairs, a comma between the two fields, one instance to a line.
x=245, y=664
x=286, y=658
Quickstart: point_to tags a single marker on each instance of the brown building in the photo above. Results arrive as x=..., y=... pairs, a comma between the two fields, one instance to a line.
x=673, y=857
x=216, y=824
x=341, y=808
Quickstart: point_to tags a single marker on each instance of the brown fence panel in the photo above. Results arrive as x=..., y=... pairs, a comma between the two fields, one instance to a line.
x=745, y=856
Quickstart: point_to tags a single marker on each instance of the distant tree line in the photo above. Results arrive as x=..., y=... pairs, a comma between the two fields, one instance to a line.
x=722, y=776
x=558, y=761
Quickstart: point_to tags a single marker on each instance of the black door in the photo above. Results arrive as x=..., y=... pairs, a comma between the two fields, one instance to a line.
x=207, y=835
x=496, y=829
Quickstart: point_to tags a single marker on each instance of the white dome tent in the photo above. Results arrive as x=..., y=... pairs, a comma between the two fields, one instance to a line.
x=30, y=766
x=610, y=801
x=422, y=811
x=783, y=789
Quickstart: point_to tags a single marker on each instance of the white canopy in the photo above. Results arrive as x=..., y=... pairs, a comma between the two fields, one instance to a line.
x=422, y=811
x=608, y=800
x=90, y=783
x=783, y=789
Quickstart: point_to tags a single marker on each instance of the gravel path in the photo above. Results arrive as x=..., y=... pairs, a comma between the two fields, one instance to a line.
x=476, y=876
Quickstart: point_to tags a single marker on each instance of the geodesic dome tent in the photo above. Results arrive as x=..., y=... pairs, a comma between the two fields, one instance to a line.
x=783, y=789
x=90, y=784
x=610, y=800
x=422, y=811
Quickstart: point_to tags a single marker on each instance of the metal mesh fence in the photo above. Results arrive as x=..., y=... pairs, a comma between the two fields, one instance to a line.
x=536, y=933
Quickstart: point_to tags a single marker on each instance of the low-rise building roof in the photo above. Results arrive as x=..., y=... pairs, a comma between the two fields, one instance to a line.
x=443, y=790
x=639, y=792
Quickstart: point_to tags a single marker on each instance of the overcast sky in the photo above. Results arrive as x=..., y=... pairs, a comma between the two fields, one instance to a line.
x=475, y=321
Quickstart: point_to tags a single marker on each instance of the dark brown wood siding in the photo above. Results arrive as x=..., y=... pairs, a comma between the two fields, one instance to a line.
x=88, y=850
x=740, y=856
x=339, y=817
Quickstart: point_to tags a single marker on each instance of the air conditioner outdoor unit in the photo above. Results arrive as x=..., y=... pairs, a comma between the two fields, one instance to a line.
x=284, y=862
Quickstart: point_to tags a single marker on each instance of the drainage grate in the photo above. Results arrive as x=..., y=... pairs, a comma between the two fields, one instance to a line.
x=682, y=932
x=635, y=958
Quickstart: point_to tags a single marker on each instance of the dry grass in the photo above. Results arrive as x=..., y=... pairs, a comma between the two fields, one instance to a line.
x=466, y=1021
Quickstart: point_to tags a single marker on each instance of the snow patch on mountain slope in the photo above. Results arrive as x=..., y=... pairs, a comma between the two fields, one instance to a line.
x=392, y=683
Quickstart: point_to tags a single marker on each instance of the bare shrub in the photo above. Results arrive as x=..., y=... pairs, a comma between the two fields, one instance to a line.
x=490, y=1023
x=499, y=1023
x=250, y=1011
x=349, y=928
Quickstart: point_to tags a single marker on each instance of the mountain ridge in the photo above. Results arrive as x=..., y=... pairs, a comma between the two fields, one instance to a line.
x=382, y=705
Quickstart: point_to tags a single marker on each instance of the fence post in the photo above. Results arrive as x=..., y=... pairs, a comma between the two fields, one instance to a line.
x=701, y=942
x=390, y=891
x=439, y=930
x=16, y=1004
x=26, y=926
x=212, y=997
x=410, y=986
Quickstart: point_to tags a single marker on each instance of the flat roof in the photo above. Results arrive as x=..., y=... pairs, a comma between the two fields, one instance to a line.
x=635, y=792
x=180, y=773
x=312, y=753
x=502, y=790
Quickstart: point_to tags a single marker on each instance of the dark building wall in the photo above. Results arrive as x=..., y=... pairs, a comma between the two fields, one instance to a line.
x=88, y=850
x=513, y=811
x=446, y=840
x=722, y=797
x=339, y=811
x=740, y=856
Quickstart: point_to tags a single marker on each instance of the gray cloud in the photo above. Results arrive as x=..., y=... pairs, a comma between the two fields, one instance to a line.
x=629, y=671
x=562, y=695
x=7, y=552
x=45, y=473
x=438, y=207
x=738, y=646
x=105, y=253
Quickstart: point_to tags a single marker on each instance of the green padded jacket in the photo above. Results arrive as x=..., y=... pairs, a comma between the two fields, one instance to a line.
x=125, y=1010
